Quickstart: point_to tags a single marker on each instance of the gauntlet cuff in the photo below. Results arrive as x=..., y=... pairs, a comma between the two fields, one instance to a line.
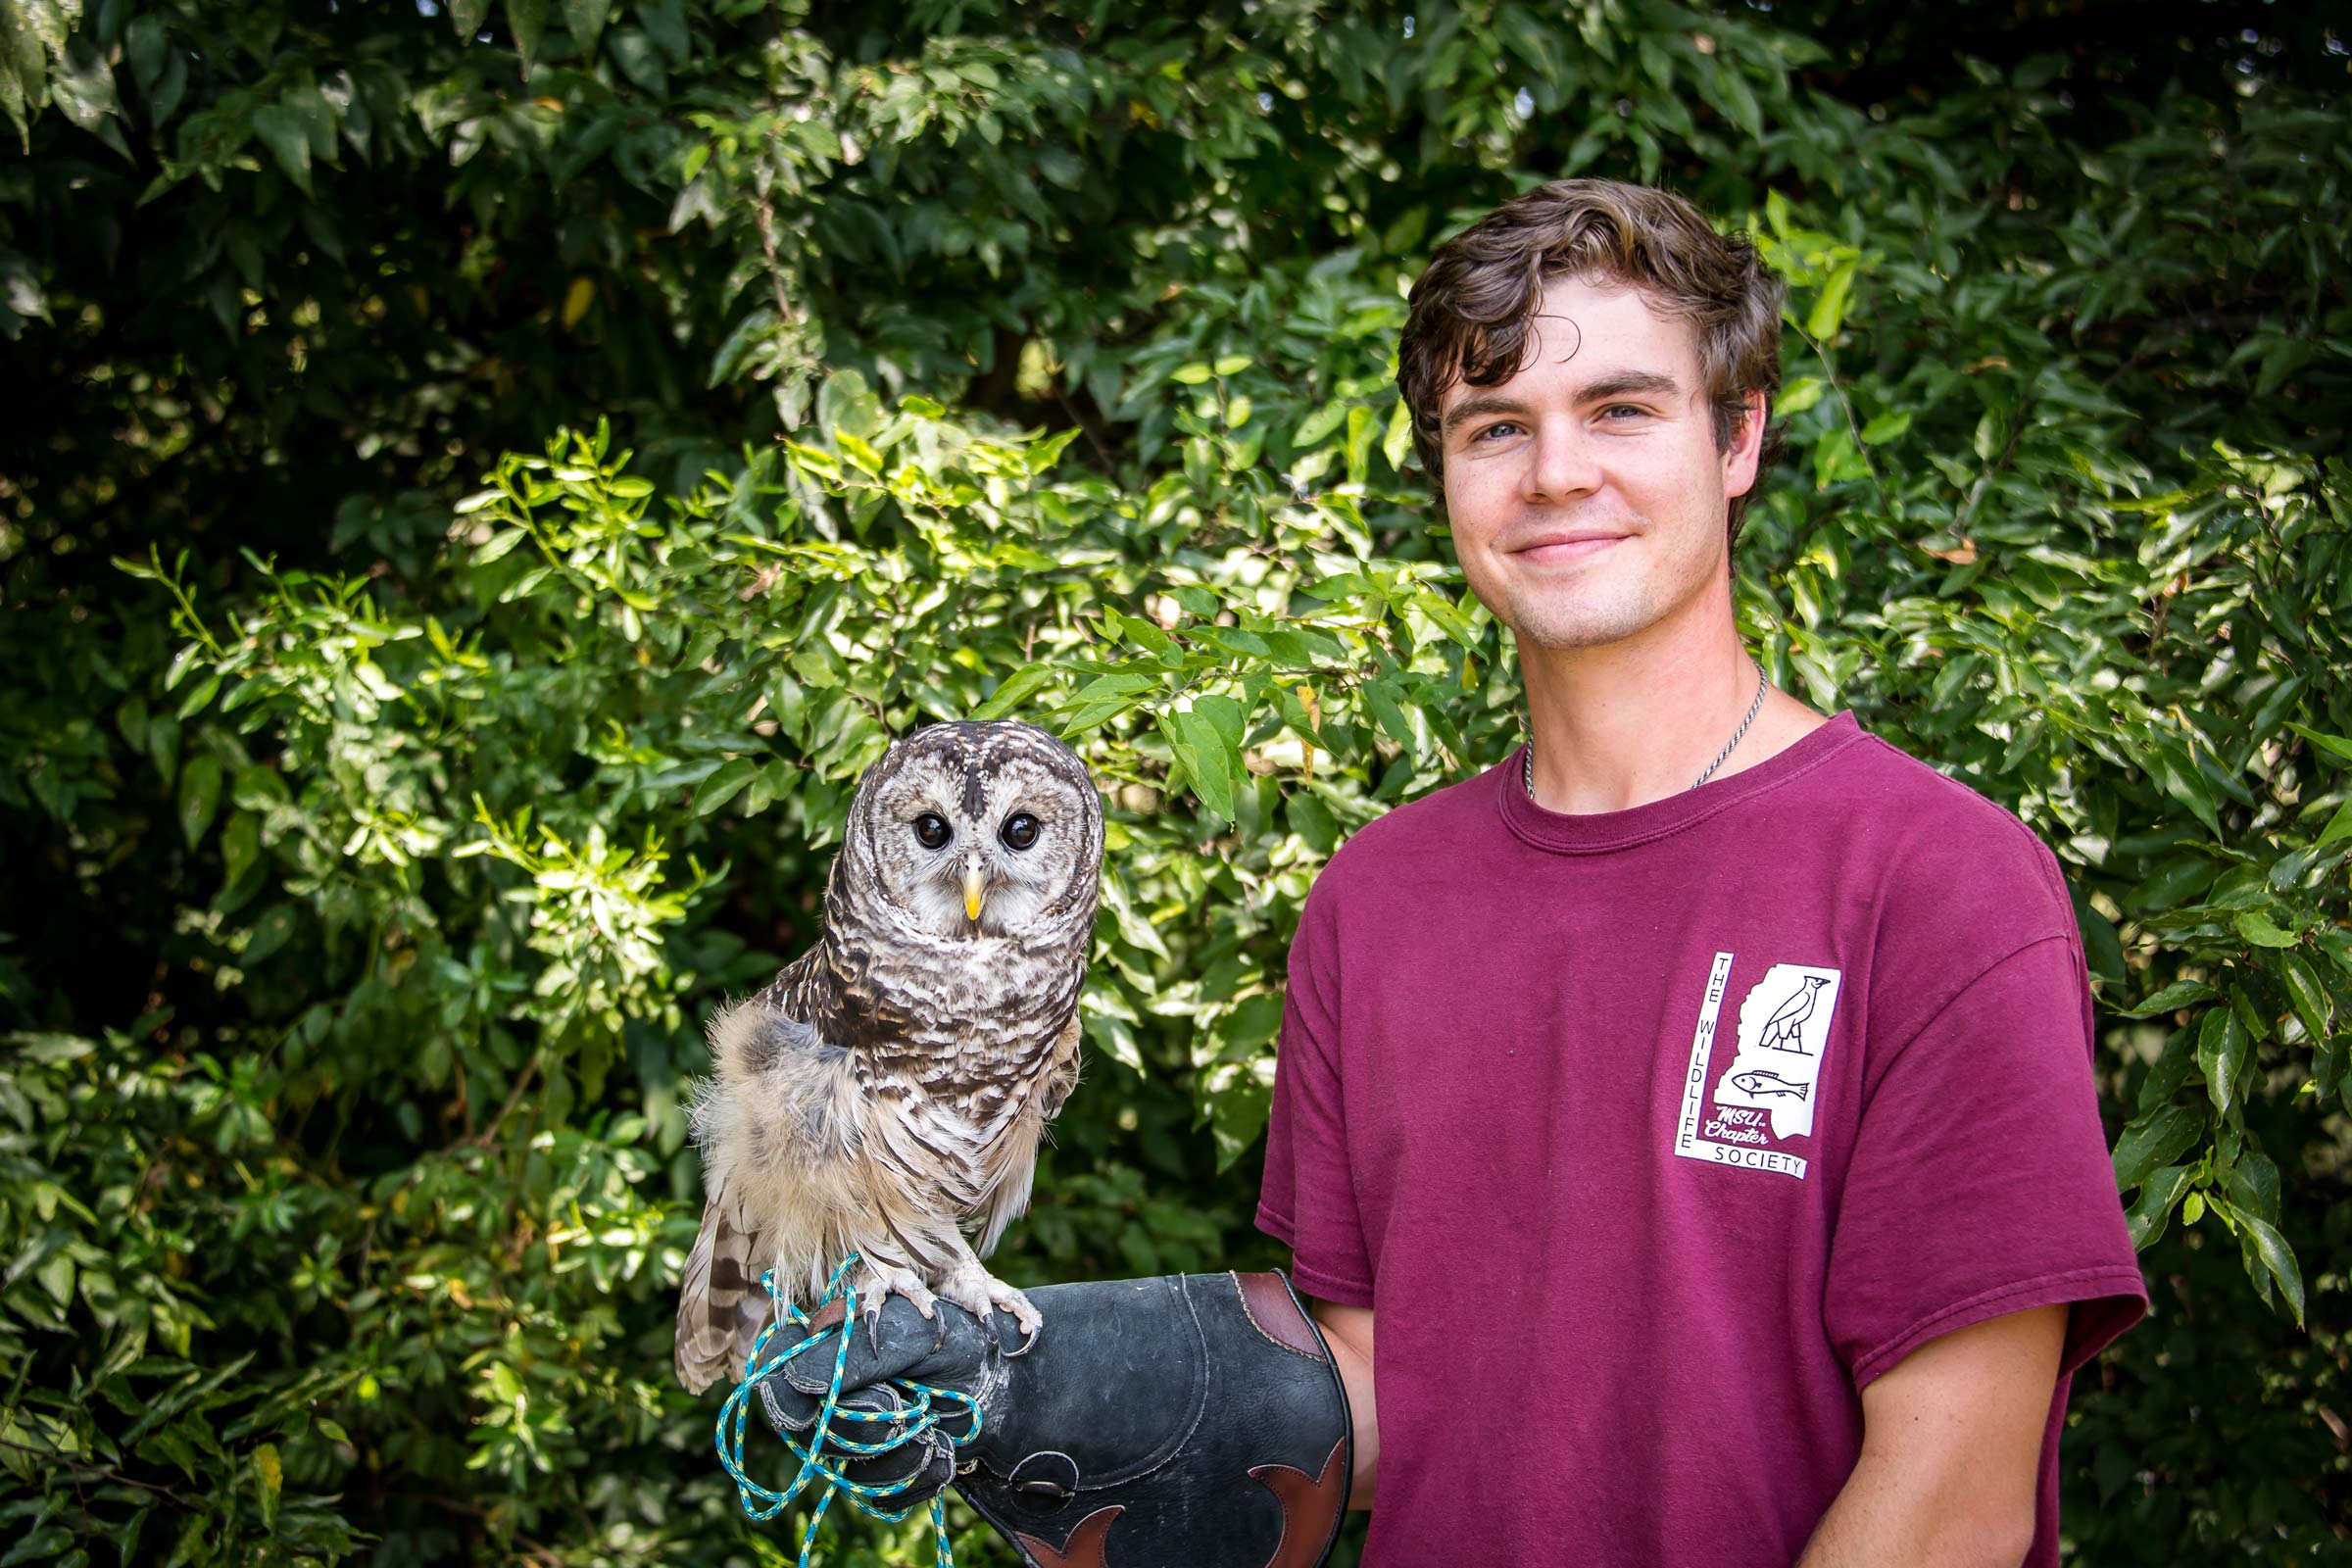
x=1194, y=1419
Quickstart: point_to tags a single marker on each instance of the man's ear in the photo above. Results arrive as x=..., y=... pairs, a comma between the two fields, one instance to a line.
x=1747, y=442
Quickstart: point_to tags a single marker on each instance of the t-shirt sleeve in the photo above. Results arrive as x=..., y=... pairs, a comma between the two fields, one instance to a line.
x=1307, y=1199
x=1980, y=1184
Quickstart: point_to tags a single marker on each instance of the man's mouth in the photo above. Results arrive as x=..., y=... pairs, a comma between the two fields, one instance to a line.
x=1565, y=548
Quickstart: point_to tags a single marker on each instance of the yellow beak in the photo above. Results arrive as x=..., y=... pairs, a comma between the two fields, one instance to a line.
x=971, y=889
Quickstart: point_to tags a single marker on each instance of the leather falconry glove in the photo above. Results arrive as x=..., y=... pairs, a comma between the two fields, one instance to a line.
x=1189, y=1418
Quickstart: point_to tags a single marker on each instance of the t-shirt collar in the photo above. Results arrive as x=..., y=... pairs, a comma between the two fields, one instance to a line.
x=1598, y=832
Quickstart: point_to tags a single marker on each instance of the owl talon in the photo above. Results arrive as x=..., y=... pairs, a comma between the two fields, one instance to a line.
x=981, y=1293
x=879, y=1286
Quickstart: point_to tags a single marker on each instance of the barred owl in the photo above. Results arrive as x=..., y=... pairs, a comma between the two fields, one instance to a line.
x=891, y=1085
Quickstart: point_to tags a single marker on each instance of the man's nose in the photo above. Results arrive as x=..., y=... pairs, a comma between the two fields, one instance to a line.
x=1560, y=464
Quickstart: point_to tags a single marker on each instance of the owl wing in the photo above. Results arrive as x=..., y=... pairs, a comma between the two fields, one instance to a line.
x=721, y=1306
x=1056, y=1079
x=1061, y=1073
x=769, y=1121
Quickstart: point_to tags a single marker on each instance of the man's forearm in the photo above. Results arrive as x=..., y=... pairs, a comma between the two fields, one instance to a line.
x=1347, y=1331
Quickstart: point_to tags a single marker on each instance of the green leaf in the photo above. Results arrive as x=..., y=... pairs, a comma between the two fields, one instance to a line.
x=1320, y=424
x=2221, y=1044
x=526, y=20
x=2169, y=759
x=1312, y=821
x=147, y=42
x=269, y=933
x=1207, y=757
x=1359, y=443
x=2334, y=745
x=2267, y=1252
x=2339, y=826
x=2154, y=1140
x=2329, y=1063
x=2253, y=1185
x=725, y=784
x=36, y=1545
x=1016, y=688
x=2257, y=928
x=1799, y=395
x=83, y=85
x=2160, y=1192
x=1172, y=729
x=240, y=848
x=1225, y=716
x=2307, y=994
x=498, y=544
x=288, y=139
x=585, y=21
x=1192, y=374
x=199, y=796
x=1137, y=631
x=56, y=1275
x=2171, y=998
x=1397, y=444
x=773, y=782
x=1385, y=708
x=2169, y=1071
x=1888, y=426
x=466, y=17
x=1829, y=311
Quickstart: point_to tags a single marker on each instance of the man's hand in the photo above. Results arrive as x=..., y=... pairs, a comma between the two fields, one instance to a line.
x=949, y=1350
x=1951, y=1450
x=1347, y=1330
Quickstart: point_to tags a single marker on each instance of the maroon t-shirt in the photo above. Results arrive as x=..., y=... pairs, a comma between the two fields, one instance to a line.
x=1653, y=1136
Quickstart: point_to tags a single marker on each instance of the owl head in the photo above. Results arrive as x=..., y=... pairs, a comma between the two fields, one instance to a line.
x=978, y=829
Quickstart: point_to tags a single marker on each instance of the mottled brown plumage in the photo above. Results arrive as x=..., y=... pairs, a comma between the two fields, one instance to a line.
x=891, y=1083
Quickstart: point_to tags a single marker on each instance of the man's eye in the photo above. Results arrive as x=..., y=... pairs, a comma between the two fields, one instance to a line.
x=1628, y=409
x=1499, y=427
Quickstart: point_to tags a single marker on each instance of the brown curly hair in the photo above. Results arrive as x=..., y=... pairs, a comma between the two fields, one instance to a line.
x=1469, y=311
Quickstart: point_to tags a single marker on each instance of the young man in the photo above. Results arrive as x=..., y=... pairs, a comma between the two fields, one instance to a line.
x=1686, y=1127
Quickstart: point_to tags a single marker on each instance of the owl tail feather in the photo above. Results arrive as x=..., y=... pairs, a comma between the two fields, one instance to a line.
x=721, y=1307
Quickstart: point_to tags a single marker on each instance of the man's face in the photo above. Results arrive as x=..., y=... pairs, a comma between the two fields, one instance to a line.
x=1587, y=493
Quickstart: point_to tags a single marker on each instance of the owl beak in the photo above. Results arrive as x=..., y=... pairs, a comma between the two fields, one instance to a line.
x=971, y=889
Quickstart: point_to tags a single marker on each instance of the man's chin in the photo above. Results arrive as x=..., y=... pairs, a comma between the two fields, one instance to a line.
x=1556, y=630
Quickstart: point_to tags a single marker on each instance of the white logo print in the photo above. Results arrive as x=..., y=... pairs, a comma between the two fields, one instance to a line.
x=1767, y=1091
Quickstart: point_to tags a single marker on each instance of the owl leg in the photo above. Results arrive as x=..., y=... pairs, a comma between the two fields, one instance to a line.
x=880, y=1279
x=970, y=1286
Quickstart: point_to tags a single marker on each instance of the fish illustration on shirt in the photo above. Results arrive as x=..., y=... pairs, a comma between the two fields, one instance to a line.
x=1767, y=1083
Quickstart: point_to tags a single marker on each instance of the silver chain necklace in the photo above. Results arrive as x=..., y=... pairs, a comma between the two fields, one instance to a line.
x=1527, y=758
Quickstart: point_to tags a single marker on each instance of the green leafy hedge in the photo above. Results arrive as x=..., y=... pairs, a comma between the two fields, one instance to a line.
x=396, y=767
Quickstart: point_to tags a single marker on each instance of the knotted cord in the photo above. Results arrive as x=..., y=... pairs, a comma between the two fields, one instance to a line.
x=915, y=1421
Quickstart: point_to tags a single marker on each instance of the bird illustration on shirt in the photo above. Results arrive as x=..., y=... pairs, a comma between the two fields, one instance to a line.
x=1784, y=1029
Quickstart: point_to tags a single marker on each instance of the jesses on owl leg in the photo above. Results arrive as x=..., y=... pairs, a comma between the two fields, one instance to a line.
x=970, y=1286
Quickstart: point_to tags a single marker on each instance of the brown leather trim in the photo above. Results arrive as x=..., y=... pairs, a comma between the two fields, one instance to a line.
x=829, y=1315
x=1310, y=1508
x=1275, y=1313
x=1083, y=1548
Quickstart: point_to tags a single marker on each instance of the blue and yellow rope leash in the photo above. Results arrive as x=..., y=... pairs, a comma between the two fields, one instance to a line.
x=916, y=1418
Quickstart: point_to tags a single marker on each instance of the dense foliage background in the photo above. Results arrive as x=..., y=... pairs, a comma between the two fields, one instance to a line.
x=487, y=477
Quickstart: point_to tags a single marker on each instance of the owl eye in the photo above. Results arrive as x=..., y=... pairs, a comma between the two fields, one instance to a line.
x=933, y=830
x=1019, y=831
